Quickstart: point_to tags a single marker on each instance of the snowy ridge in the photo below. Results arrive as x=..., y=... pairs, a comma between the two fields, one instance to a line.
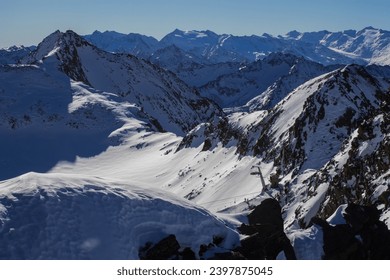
x=102, y=219
x=369, y=44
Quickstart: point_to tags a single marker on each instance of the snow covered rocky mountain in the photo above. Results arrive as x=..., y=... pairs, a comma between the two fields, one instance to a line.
x=129, y=159
x=231, y=70
x=14, y=54
x=367, y=46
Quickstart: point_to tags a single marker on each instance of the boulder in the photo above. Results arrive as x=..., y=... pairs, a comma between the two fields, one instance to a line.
x=363, y=236
x=165, y=249
x=266, y=233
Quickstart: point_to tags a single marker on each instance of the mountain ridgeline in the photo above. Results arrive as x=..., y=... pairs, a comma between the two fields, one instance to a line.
x=183, y=122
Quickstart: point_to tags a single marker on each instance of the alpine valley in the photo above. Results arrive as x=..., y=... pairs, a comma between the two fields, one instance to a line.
x=196, y=146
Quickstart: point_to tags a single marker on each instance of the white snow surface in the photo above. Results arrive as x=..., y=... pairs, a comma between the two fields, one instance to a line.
x=68, y=216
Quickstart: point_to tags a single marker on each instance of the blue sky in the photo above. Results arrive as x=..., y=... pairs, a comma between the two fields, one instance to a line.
x=27, y=22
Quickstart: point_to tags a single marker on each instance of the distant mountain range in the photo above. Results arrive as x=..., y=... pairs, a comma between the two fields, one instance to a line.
x=367, y=46
x=232, y=70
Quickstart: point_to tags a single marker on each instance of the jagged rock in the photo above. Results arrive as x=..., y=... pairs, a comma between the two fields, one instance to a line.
x=340, y=242
x=267, y=238
x=267, y=213
x=363, y=237
x=228, y=256
x=166, y=249
x=188, y=254
x=375, y=236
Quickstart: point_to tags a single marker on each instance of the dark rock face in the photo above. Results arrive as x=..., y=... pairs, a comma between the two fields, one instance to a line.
x=363, y=237
x=339, y=242
x=267, y=213
x=169, y=249
x=165, y=249
x=374, y=234
x=188, y=254
x=266, y=234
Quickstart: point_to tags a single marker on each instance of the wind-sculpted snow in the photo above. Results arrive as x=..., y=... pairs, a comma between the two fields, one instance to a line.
x=59, y=216
x=47, y=118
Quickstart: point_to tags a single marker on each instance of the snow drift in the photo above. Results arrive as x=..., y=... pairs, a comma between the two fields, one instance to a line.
x=56, y=216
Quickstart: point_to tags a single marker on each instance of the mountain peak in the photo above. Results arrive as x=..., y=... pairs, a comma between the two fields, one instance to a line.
x=192, y=33
x=293, y=34
x=54, y=42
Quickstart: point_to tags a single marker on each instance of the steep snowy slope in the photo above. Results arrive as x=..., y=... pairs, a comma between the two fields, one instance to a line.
x=175, y=106
x=306, y=130
x=57, y=216
x=304, y=133
x=46, y=118
x=309, y=126
x=359, y=172
x=300, y=72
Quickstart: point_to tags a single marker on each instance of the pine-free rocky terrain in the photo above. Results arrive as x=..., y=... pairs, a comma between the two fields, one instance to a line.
x=197, y=146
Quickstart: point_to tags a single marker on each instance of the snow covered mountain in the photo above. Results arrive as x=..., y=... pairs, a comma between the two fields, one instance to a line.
x=111, y=41
x=267, y=81
x=313, y=131
x=367, y=46
x=71, y=94
x=300, y=72
x=300, y=141
x=129, y=156
x=14, y=54
x=174, y=106
x=227, y=68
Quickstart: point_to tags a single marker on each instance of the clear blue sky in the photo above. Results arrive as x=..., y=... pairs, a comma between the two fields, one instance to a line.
x=27, y=22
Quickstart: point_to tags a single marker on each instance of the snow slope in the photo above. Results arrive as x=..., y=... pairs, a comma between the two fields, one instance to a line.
x=60, y=119
x=56, y=216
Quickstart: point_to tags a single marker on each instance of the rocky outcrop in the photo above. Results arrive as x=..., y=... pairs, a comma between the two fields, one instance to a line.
x=266, y=234
x=363, y=236
x=165, y=249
